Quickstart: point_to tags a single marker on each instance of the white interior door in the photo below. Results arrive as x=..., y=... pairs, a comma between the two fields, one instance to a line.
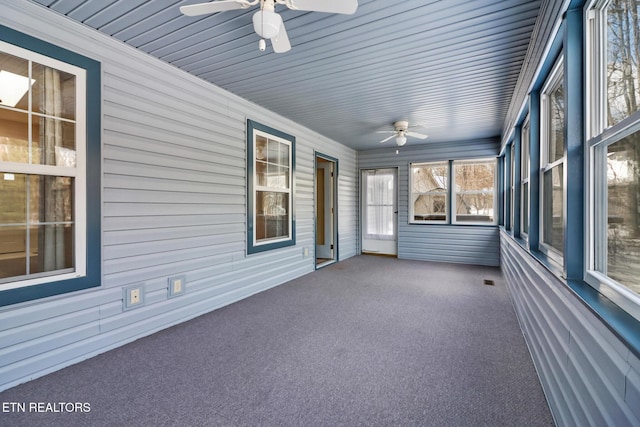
x=379, y=211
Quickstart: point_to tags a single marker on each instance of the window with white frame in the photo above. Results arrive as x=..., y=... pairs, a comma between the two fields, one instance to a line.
x=614, y=150
x=524, y=179
x=42, y=169
x=505, y=186
x=474, y=182
x=552, y=160
x=429, y=183
x=271, y=163
x=512, y=186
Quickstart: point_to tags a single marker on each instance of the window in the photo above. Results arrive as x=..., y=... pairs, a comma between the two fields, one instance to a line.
x=47, y=245
x=614, y=142
x=474, y=183
x=512, y=184
x=524, y=179
x=429, y=183
x=271, y=166
x=505, y=188
x=552, y=165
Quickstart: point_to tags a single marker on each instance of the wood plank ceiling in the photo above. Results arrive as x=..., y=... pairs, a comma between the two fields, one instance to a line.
x=448, y=65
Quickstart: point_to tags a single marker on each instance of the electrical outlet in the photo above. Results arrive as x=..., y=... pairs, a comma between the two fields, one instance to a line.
x=133, y=296
x=176, y=286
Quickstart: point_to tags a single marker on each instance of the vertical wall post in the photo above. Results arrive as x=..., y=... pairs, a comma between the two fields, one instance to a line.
x=534, y=170
x=574, y=137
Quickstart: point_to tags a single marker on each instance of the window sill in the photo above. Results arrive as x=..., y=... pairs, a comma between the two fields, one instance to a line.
x=618, y=321
x=454, y=224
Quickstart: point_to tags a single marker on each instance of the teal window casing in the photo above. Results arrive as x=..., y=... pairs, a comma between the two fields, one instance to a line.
x=271, y=160
x=10, y=294
x=581, y=178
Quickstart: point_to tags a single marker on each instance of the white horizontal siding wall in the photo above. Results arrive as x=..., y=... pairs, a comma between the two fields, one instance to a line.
x=467, y=244
x=589, y=376
x=174, y=191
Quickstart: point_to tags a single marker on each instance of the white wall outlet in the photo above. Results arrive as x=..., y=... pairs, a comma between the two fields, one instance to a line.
x=305, y=252
x=176, y=286
x=133, y=296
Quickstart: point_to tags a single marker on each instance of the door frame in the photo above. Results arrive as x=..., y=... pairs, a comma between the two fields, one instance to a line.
x=328, y=212
x=363, y=210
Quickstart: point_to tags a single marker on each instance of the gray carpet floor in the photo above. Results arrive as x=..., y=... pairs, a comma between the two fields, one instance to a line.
x=370, y=341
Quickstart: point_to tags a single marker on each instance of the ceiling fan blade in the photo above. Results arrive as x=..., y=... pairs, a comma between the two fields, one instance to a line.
x=387, y=139
x=417, y=135
x=386, y=131
x=347, y=7
x=281, y=42
x=213, y=7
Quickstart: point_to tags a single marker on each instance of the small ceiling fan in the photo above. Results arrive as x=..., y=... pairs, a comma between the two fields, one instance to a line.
x=266, y=22
x=401, y=133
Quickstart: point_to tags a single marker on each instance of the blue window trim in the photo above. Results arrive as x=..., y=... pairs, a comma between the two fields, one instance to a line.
x=93, y=178
x=575, y=142
x=569, y=38
x=251, y=246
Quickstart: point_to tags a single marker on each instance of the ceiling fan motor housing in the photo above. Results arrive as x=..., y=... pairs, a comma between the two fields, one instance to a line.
x=401, y=126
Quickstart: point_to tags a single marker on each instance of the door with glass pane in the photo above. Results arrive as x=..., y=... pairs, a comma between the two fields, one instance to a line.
x=379, y=211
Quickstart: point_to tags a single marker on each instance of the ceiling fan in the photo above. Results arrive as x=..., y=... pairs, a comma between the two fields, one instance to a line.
x=266, y=22
x=401, y=133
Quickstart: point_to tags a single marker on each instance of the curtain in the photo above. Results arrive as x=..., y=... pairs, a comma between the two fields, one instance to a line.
x=53, y=189
x=379, y=204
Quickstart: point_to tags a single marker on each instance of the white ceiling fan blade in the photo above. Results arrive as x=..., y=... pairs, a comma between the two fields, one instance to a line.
x=387, y=139
x=347, y=7
x=386, y=131
x=281, y=42
x=213, y=7
x=417, y=135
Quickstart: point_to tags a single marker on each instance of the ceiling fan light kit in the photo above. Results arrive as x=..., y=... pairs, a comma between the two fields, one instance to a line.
x=266, y=22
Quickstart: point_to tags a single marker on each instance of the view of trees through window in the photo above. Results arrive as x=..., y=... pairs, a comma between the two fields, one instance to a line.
x=474, y=184
x=553, y=193
x=623, y=156
x=429, y=183
x=623, y=231
x=623, y=54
